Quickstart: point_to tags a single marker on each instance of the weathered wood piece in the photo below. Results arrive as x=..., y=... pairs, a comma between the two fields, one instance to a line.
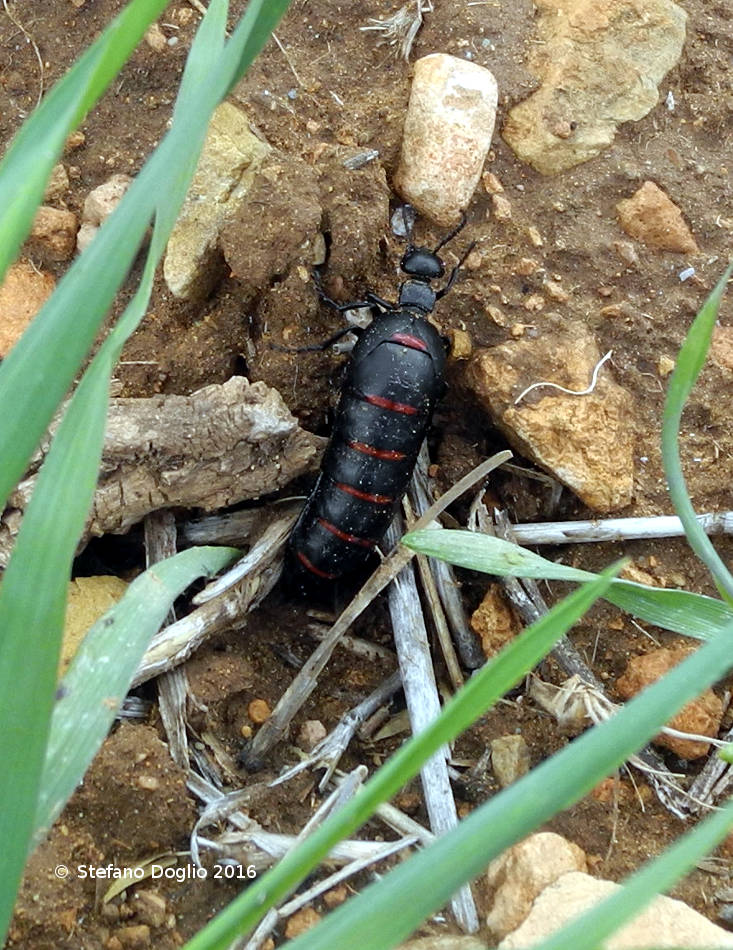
x=224, y=444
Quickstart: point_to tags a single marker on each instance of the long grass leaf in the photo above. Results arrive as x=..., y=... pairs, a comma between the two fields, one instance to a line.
x=693, y=615
x=388, y=911
x=478, y=695
x=27, y=165
x=32, y=596
x=689, y=364
x=100, y=674
x=258, y=22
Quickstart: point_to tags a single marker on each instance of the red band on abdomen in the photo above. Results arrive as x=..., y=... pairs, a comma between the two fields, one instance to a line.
x=407, y=339
x=313, y=569
x=345, y=536
x=389, y=404
x=364, y=496
x=390, y=455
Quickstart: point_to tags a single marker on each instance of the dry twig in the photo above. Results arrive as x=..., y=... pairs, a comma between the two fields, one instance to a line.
x=617, y=529
x=423, y=704
x=402, y=27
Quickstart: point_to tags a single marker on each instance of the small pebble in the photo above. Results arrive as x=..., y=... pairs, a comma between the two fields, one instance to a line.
x=134, y=937
x=496, y=315
x=650, y=216
x=337, y=895
x=627, y=252
x=460, y=344
x=74, y=141
x=492, y=184
x=555, y=291
x=156, y=38
x=58, y=183
x=535, y=237
x=150, y=908
x=526, y=266
x=509, y=759
x=54, y=233
x=301, y=921
x=686, y=274
x=403, y=221
x=259, y=711
x=310, y=734
x=501, y=208
x=149, y=782
x=665, y=365
x=534, y=303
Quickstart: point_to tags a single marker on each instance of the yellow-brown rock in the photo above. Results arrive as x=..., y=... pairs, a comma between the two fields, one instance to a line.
x=599, y=63
x=54, y=233
x=89, y=598
x=701, y=716
x=650, y=216
x=22, y=294
x=585, y=441
x=494, y=621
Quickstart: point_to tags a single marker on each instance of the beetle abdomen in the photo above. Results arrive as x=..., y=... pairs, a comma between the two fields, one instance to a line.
x=394, y=379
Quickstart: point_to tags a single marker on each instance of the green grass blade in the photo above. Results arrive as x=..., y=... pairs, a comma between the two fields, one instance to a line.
x=32, y=596
x=258, y=22
x=101, y=672
x=388, y=911
x=689, y=363
x=587, y=932
x=40, y=369
x=36, y=148
x=692, y=615
x=484, y=689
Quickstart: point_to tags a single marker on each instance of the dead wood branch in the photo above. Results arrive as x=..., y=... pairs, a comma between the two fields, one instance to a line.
x=222, y=445
x=176, y=642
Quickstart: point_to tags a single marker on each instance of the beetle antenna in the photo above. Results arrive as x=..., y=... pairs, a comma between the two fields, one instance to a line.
x=456, y=269
x=449, y=237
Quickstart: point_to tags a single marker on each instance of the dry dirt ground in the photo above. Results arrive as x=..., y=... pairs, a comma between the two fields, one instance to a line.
x=334, y=91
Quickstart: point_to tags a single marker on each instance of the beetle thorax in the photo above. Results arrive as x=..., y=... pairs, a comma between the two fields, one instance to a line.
x=418, y=294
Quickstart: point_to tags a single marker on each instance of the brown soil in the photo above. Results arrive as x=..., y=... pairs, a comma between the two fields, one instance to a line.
x=350, y=93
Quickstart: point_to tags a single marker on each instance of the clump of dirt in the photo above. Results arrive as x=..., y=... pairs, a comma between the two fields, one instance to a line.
x=335, y=92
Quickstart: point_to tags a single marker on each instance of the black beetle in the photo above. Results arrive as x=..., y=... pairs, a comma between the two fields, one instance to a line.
x=393, y=382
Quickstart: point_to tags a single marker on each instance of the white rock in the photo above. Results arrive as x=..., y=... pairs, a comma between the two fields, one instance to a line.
x=448, y=128
x=98, y=206
x=522, y=872
x=102, y=201
x=664, y=923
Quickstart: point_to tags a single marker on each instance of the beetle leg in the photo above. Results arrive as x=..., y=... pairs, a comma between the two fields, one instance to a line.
x=374, y=299
x=316, y=347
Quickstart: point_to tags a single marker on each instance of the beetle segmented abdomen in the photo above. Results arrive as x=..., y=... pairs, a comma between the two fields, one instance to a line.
x=393, y=382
